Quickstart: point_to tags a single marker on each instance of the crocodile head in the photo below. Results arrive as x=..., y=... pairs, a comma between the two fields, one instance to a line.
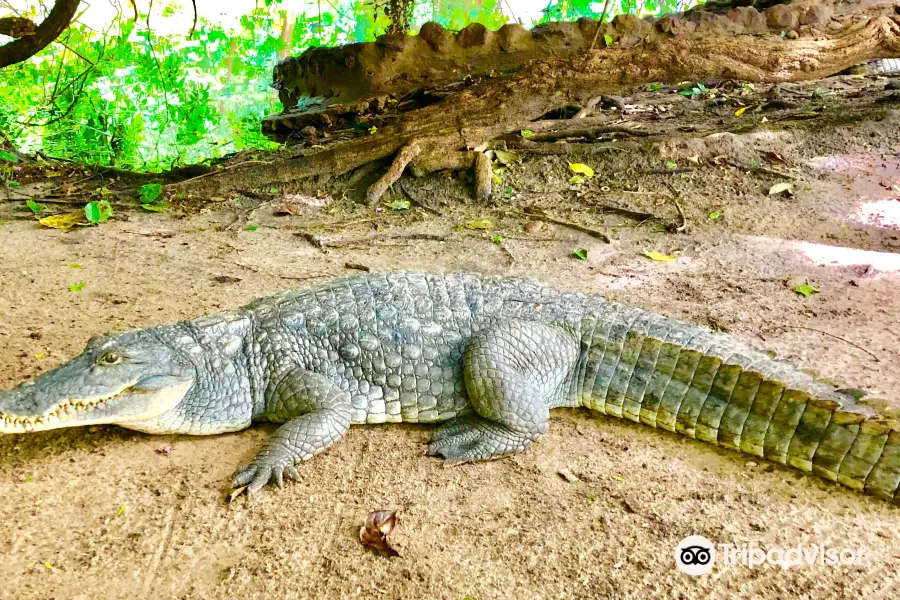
x=124, y=379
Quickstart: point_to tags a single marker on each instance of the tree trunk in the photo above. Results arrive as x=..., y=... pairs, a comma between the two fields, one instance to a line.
x=450, y=133
x=56, y=22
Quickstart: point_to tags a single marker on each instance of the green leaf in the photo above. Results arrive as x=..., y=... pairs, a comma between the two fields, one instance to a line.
x=155, y=207
x=671, y=165
x=149, y=193
x=497, y=239
x=8, y=157
x=98, y=211
x=13, y=184
x=581, y=253
x=74, y=266
x=35, y=207
x=77, y=287
x=400, y=205
x=121, y=512
x=577, y=179
x=659, y=256
x=806, y=290
x=483, y=223
x=506, y=158
x=373, y=130
x=526, y=133
x=250, y=228
x=716, y=215
x=608, y=40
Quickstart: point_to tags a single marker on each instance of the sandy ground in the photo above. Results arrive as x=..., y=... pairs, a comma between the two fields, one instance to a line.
x=100, y=513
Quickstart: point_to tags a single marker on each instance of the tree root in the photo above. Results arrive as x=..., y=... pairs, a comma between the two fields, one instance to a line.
x=407, y=154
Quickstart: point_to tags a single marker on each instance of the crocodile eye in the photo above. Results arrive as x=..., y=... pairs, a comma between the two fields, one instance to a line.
x=109, y=358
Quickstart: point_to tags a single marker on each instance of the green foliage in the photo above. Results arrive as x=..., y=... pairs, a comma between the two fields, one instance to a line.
x=98, y=211
x=143, y=95
x=150, y=193
x=35, y=207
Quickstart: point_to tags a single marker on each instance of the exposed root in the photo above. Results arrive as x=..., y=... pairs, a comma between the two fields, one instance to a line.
x=407, y=154
x=483, y=176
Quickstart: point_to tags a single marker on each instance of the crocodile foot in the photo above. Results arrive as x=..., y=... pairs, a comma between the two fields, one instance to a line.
x=471, y=438
x=270, y=465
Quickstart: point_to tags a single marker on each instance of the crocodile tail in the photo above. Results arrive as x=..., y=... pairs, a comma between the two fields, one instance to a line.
x=650, y=369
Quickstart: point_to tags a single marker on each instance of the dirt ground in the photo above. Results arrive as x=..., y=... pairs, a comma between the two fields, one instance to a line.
x=103, y=513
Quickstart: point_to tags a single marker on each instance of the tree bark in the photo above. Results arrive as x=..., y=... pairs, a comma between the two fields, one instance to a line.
x=56, y=22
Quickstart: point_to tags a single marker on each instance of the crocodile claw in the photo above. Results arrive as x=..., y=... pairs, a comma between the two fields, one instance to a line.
x=472, y=438
x=270, y=466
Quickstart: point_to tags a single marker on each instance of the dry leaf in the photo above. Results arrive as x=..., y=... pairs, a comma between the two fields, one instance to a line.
x=581, y=169
x=782, y=188
x=376, y=529
x=659, y=256
x=66, y=221
x=233, y=494
x=482, y=223
x=775, y=157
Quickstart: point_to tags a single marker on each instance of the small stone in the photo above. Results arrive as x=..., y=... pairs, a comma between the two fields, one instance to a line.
x=751, y=464
x=792, y=35
x=308, y=131
x=568, y=475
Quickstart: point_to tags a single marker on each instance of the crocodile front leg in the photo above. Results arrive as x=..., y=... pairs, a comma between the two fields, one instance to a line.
x=514, y=372
x=315, y=413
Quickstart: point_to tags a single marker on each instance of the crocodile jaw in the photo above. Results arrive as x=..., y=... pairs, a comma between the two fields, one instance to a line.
x=132, y=403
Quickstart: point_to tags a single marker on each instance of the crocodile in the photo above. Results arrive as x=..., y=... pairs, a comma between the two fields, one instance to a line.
x=488, y=356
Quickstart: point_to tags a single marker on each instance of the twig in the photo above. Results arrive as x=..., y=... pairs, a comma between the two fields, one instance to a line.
x=837, y=337
x=599, y=24
x=760, y=170
x=222, y=170
x=407, y=154
x=564, y=148
x=312, y=238
x=675, y=196
x=194, y=26
x=593, y=102
x=548, y=219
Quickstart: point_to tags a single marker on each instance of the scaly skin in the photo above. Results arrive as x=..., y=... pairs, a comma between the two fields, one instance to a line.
x=490, y=356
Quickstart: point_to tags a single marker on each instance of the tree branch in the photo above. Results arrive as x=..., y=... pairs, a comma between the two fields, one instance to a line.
x=23, y=48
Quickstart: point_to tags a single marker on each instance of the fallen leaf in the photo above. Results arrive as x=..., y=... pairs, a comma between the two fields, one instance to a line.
x=376, y=529
x=533, y=226
x=233, y=494
x=400, y=205
x=694, y=159
x=806, y=290
x=77, y=287
x=659, y=256
x=506, y=157
x=577, y=180
x=581, y=253
x=121, y=511
x=226, y=279
x=526, y=133
x=782, y=188
x=66, y=221
x=716, y=215
x=581, y=169
x=483, y=223
x=775, y=157
x=74, y=266
x=741, y=111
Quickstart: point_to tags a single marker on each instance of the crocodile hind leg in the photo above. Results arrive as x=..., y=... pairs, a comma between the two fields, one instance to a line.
x=514, y=373
x=315, y=413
